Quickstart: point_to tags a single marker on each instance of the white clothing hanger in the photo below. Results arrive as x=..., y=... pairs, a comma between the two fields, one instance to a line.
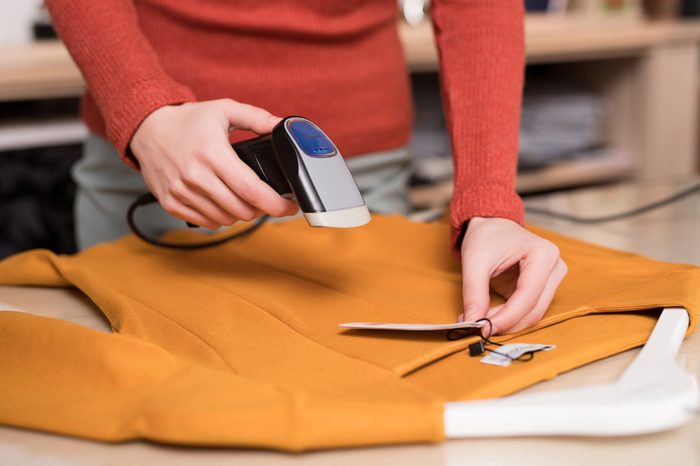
x=653, y=394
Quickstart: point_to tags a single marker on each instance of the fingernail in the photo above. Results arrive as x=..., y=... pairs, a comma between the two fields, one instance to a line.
x=460, y=318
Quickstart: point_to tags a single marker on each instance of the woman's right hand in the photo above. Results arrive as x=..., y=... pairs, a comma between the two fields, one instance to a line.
x=189, y=165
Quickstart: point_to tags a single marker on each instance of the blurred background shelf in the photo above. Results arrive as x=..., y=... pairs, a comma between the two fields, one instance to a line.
x=47, y=133
x=40, y=70
x=598, y=166
x=645, y=71
x=585, y=169
x=564, y=38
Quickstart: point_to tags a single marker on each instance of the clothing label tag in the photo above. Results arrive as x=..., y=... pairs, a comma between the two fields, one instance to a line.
x=514, y=350
x=410, y=327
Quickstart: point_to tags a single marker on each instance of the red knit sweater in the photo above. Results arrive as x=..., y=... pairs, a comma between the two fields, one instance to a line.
x=337, y=62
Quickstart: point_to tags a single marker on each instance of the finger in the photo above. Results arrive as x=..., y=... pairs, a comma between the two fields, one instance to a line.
x=535, y=270
x=213, y=188
x=242, y=180
x=248, y=117
x=488, y=330
x=534, y=316
x=186, y=213
x=476, y=275
x=202, y=204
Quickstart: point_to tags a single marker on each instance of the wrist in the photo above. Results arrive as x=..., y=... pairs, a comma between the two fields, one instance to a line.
x=477, y=222
x=145, y=134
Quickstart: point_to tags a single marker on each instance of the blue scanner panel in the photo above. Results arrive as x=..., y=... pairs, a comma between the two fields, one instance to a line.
x=311, y=140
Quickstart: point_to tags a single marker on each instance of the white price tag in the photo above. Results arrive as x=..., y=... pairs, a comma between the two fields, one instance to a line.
x=514, y=350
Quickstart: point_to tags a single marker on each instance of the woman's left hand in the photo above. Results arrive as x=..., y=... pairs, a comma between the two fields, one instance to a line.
x=523, y=268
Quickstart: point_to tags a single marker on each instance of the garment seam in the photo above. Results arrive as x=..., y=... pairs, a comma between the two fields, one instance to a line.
x=216, y=352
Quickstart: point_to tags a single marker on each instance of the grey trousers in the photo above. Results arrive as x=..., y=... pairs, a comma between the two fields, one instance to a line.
x=106, y=188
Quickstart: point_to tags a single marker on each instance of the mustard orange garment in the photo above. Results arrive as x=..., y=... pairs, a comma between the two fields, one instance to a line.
x=240, y=345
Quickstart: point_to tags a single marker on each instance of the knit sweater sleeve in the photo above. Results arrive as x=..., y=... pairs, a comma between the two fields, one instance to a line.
x=481, y=48
x=119, y=64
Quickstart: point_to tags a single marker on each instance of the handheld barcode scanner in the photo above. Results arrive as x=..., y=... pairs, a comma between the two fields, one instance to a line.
x=297, y=160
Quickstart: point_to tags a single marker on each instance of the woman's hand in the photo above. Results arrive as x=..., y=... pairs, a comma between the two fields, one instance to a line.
x=188, y=163
x=523, y=268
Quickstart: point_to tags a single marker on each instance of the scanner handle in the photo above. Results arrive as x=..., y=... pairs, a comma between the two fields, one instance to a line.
x=259, y=155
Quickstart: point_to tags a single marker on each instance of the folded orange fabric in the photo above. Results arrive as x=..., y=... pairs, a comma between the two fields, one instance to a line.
x=240, y=345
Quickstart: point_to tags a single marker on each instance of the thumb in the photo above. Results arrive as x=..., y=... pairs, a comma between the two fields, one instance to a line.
x=475, y=289
x=249, y=118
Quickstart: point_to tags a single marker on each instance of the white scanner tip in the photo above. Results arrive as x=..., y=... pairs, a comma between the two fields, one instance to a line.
x=341, y=218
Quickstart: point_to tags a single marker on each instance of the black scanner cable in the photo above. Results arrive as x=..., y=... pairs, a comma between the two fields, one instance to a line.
x=148, y=198
x=692, y=189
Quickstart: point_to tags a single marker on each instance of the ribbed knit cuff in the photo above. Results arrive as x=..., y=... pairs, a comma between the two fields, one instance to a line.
x=492, y=200
x=129, y=111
